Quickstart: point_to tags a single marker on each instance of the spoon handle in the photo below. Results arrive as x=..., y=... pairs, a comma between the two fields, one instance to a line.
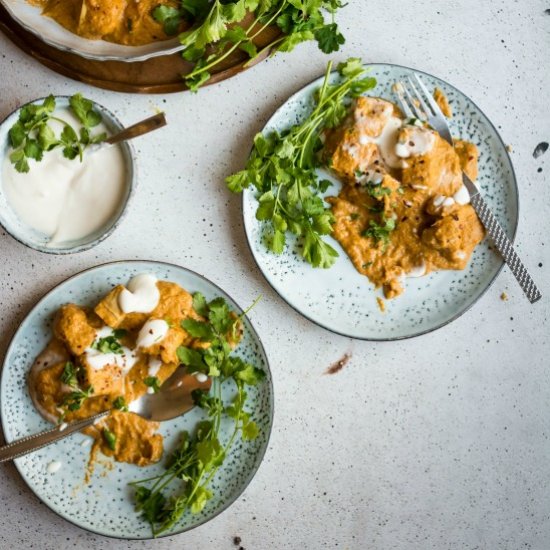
x=143, y=127
x=34, y=442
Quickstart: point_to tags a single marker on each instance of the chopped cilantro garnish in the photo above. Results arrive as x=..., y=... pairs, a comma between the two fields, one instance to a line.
x=120, y=404
x=110, y=438
x=73, y=400
x=377, y=191
x=152, y=382
x=380, y=232
x=110, y=344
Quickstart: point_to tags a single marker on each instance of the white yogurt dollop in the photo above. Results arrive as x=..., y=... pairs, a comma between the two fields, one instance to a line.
x=67, y=199
x=98, y=360
x=152, y=332
x=141, y=294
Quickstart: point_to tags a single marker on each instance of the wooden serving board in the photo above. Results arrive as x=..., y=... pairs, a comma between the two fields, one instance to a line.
x=158, y=75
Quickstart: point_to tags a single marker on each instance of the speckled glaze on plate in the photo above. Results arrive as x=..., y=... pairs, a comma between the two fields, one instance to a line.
x=342, y=300
x=105, y=506
x=37, y=240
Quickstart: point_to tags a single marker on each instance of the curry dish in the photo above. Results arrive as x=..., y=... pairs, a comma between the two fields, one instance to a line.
x=128, y=22
x=403, y=210
x=108, y=356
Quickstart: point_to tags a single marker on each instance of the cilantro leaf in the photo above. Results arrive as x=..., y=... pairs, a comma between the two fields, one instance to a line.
x=199, y=304
x=198, y=329
x=31, y=136
x=329, y=38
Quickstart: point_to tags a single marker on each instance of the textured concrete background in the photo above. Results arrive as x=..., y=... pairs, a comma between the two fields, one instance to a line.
x=437, y=442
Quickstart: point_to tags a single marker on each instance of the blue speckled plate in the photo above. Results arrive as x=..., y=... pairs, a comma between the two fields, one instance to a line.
x=344, y=301
x=105, y=506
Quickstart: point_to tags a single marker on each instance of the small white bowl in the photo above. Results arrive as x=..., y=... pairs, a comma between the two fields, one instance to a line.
x=46, y=29
x=32, y=238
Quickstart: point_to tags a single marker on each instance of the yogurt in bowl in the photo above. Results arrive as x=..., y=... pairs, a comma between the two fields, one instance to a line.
x=63, y=206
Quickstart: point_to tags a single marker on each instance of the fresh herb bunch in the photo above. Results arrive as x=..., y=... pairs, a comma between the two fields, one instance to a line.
x=283, y=169
x=32, y=135
x=200, y=455
x=217, y=29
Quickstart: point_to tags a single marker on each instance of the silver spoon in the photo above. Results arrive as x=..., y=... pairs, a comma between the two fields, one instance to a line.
x=138, y=129
x=173, y=400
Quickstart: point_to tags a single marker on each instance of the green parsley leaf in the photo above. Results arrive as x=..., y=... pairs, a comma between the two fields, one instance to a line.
x=199, y=304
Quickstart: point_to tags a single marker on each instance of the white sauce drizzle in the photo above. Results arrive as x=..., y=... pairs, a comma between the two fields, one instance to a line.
x=417, y=271
x=386, y=142
x=63, y=426
x=141, y=294
x=154, y=366
x=201, y=377
x=370, y=177
x=462, y=196
x=53, y=467
x=414, y=140
x=97, y=360
x=66, y=199
x=152, y=332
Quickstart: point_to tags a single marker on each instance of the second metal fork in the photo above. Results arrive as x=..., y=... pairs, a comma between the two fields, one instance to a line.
x=421, y=105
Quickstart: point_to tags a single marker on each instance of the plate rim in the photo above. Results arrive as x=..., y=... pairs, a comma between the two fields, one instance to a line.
x=123, y=58
x=247, y=480
x=456, y=315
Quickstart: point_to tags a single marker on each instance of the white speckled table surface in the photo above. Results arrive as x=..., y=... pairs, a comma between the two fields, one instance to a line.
x=436, y=442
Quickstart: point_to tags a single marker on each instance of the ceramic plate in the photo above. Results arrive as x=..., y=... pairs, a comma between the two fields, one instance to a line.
x=105, y=506
x=342, y=300
x=46, y=29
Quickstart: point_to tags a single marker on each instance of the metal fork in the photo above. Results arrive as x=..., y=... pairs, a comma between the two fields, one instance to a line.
x=424, y=107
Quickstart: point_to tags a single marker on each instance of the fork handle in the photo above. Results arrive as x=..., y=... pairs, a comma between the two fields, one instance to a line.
x=505, y=247
x=34, y=442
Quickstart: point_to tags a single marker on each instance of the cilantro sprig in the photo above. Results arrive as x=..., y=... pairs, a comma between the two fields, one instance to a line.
x=32, y=135
x=283, y=169
x=218, y=29
x=200, y=454
x=73, y=400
